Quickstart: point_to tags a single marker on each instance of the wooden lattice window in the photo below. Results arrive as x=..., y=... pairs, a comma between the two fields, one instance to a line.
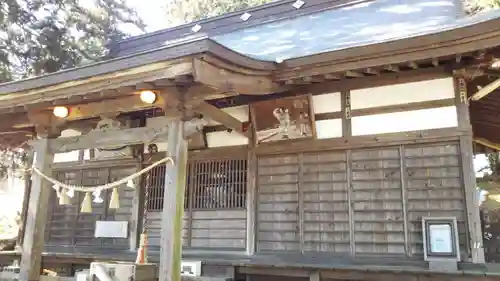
x=218, y=184
x=211, y=184
x=155, y=183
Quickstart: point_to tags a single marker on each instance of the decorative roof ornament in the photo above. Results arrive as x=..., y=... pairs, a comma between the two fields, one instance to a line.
x=298, y=4
x=196, y=28
x=245, y=16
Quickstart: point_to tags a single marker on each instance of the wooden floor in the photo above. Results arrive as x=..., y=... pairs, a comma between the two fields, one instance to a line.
x=299, y=266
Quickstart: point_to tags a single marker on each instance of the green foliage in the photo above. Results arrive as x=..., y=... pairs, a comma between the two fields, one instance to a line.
x=475, y=6
x=184, y=11
x=44, y=36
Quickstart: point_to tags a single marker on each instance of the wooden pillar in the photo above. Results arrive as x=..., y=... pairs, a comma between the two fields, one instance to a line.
x=251, y=199
x=173, y=204
x=36, y=219
x=468, y=173
x=26, y=197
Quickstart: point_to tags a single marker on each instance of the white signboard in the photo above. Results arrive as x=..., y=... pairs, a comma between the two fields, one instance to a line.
x=111, y=229
x=441, y=240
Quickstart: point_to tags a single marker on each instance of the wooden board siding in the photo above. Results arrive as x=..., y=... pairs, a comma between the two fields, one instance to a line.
x=69, y=227
x=154, y=230
x=325, y=200
x=219, y=229
x=215, y=215
x=434, y=188
x=209, y=230
x=377, y=201
x=358, y=202
x=278, y=203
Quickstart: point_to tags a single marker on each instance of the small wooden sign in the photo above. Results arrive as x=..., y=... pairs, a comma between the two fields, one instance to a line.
x=111, y=229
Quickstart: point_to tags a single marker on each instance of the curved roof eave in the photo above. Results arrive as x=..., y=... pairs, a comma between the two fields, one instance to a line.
x=477, y=35
x=171, y=52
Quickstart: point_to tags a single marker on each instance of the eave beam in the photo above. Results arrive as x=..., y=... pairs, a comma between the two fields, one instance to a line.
x=225, y=80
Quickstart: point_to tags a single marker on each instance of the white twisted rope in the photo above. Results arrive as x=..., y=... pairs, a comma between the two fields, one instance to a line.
x=111, y=185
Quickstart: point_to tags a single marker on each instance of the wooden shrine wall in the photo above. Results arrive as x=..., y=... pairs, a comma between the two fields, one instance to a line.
x=215, y=204
x=358, y=202
x=68, y=227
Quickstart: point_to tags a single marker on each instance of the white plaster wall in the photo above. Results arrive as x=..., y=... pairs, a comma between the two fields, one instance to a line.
x=425, y=119
x=329, y=128
x=220, y=139
x=437, y=89
x=326, y=103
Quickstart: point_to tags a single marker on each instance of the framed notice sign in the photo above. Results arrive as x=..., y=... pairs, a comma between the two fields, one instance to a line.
x=440, y=236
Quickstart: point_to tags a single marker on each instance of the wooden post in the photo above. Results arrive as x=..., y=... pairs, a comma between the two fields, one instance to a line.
x=251, y=198
x=173, y=204
x=468, y=173
x=36, y=219
x=26, y=197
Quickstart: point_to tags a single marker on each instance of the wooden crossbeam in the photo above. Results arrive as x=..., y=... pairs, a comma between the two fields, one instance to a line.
x=157, y=132
x=223, y=117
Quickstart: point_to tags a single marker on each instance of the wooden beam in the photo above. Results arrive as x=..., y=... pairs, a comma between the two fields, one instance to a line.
x=112, y=106
x=392, y=68
x=227, y=80
x=157, y=132
x=413, y=137
x=468, y=173
x=387, y=109
x=487, y=143
x=173, y=204
x=15, y=121
x=371, y=71
x=435, y=62
x=36, y=221
x=486, y=90
x=413, y=65
x=353, y=74
x=222, y=117
x=114, y=80
x=403, y=107
x=145, y=86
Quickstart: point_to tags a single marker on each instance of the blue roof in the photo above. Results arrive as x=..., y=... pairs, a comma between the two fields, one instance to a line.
x=351, y=26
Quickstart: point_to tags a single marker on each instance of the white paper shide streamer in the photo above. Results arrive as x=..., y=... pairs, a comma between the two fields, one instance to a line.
x=66, y=191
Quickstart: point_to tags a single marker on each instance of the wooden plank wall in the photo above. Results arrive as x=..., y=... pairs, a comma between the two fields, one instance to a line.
x=361, y=201
x=434, y=188
x=215, y=206
x=68, y=227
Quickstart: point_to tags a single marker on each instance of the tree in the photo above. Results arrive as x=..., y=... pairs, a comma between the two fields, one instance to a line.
x=184, y=11
x=44, y=36
x=475, y=6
